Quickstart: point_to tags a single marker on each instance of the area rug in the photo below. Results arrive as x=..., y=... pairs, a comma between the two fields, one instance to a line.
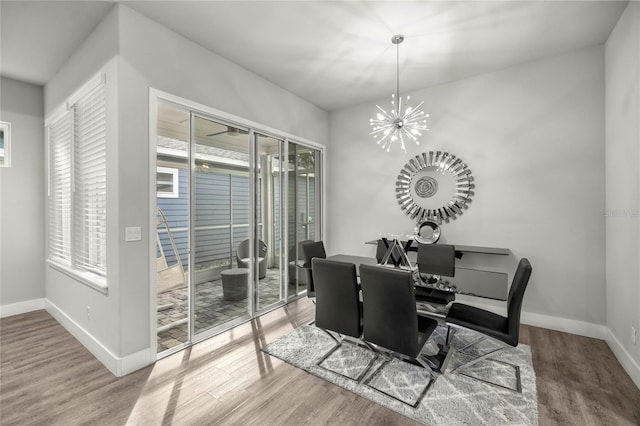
x=450, y=398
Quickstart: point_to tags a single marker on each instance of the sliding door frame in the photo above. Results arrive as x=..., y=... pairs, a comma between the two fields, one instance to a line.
x=194, y=108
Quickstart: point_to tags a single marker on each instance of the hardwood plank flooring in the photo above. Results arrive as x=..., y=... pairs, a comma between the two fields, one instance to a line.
x=47, y=377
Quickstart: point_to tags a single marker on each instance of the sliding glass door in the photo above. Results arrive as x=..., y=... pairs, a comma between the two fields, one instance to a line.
x=268, y=216
x=222, y=245
x=303, y=209
x=220, y=219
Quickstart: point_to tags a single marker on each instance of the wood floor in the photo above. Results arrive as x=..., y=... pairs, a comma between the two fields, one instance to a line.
x=47, y=377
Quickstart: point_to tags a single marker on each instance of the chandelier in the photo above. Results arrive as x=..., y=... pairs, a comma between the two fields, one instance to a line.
x=398, y=124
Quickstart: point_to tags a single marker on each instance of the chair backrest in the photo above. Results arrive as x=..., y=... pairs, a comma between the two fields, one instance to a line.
x=516, y=295
x=381, y=249
x=242, y=252
x=312, y=249
x=389, y=309
x=292, y=251
x=437, y=259
x=337, y=301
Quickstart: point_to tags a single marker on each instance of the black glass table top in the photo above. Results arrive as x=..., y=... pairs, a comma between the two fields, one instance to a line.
x=473, y=282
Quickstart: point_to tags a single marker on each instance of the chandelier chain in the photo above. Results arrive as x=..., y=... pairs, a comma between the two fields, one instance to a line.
x=398, y=75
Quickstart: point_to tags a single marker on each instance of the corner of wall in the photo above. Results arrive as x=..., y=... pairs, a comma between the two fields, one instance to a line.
x=626, y=360
x=116, y=365
x=622, y=175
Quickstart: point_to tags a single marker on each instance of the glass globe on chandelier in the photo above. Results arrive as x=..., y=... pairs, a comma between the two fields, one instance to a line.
x=398, y=124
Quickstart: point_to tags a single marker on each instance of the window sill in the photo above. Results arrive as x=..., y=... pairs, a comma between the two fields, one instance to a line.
x=90, y=280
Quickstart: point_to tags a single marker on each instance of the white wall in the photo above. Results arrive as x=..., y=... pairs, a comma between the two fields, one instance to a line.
x=152, y=56
x=623, y=187
x=69, y=300
x=22, y=192
x=134, y=54
x=138, y=54
x=533, y=137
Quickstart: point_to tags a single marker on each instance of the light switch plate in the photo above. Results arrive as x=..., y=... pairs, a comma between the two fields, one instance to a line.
x=132, y=233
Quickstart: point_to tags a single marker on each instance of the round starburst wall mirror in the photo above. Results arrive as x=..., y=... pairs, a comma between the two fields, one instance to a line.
x=434, y=186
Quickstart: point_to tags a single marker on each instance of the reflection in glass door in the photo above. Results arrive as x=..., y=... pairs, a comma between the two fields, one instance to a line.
x=220, y=221
x=268, y=243
x=172, y=232
x=303, y=209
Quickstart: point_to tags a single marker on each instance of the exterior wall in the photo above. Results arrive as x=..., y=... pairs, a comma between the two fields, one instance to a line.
x=533, y=137
x=623, y=188
x=213, y=208
x=22, y=194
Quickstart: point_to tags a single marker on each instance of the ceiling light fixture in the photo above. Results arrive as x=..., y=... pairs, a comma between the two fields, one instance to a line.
x=389, y=127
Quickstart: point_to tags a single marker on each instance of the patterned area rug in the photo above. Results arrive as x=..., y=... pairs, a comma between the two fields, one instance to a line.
x=450, y=399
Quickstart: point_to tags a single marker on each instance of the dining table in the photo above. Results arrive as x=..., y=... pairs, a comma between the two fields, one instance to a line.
x=467, y=281
x=406, y=242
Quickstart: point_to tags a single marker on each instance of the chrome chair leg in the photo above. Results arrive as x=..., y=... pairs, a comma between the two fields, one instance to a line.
x=487, y=356
x=388, y=357
x=338, y=345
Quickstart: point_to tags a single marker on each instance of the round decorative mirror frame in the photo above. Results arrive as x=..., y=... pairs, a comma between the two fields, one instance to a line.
x=434, y=187
x=432, y=234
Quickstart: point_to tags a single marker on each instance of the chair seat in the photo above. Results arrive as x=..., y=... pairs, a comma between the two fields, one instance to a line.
x=480, y=320
x=434, y=296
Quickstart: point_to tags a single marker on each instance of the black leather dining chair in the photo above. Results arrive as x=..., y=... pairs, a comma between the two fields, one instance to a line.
x=390, y=317
x=435, y=259
x=338, y=306
x=296, y=263
x=311, y=250
x=505, y=331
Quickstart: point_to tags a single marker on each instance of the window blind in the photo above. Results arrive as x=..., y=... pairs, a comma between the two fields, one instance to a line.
x=78, y=184
x=90, y=179
x=60, y=143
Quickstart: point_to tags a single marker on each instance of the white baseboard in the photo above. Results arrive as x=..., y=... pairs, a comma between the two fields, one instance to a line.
x=626, y=360
x=125, y=365
x=581, y=328
x=117, y=365
x=21, y=307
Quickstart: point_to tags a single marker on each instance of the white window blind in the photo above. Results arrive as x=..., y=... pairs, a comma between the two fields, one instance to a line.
x=90, y=194
x=78, y=184
x=60, y=143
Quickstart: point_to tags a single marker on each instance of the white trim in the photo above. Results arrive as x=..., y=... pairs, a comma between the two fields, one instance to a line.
x=175, y=182
x=565, y=325
x=123, y=366
x=153, y=218
x=117, y=366
x=233, y=119
x=136, y=361
x=93, y=281
x=21, y=307
x=624, y=358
